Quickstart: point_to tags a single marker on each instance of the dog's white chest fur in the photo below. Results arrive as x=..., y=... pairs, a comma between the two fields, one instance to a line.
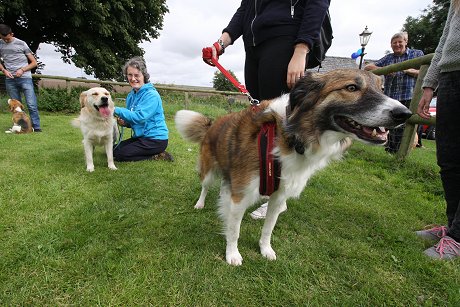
x=297, y=169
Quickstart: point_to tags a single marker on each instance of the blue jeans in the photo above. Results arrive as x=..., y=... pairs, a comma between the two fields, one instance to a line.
x=15, y=87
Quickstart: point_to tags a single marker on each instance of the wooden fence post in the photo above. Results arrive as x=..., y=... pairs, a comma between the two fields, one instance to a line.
x=187, y=101
x=410, y=130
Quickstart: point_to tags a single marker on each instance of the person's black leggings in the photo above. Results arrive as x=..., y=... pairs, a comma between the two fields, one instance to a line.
x=448, y=146
x=265, y=69
x=137, y=149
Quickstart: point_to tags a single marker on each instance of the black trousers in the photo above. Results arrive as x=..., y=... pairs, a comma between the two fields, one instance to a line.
x=137, y=149
x=265, y=69
x=448, y=146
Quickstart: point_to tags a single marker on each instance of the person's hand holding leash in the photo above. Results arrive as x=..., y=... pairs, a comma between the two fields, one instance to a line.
x=216, y=50
x=122, y=123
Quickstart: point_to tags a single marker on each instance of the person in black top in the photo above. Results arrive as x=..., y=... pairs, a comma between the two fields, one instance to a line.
x=277, y=35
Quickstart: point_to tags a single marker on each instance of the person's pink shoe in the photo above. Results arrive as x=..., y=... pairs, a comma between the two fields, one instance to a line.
x=446, y=249
x=432, y=233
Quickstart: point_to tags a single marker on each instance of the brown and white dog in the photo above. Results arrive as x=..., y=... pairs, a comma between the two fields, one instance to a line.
x=97, y=124
x=21, y=121
x=315, y=124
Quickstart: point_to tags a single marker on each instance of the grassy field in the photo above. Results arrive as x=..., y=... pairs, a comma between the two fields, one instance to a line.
x=131, y=237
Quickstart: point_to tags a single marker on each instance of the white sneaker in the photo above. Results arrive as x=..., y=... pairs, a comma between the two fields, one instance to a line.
x=261, y=212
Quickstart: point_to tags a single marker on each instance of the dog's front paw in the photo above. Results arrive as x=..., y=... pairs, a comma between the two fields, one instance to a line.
x=234, y=258
x=199, y=205
x=113, y=167
x=268, y=252
x=90, y=168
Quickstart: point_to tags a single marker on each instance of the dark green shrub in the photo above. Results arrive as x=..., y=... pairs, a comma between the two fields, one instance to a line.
x=58, y=100
x=221, y=83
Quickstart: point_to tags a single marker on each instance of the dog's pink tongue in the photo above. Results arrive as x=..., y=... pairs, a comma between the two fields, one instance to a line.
x=104, y=111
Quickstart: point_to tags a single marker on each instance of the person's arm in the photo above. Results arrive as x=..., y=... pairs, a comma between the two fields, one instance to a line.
x=6, y=72
x=231, y=33
x=31, y=65
x=370, y=67
x=312, y=20
x=309, y=31
x=411, y=72
x=146, y=110
x=296, y=67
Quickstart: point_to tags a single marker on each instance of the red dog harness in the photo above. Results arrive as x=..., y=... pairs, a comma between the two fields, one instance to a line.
x=269, y=167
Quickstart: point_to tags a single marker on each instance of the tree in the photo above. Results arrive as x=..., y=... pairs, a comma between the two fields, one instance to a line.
x=221, y=83
x=425, y=31
x=96, y=35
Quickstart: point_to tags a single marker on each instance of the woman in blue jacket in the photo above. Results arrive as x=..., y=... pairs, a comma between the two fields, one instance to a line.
x=144, y=115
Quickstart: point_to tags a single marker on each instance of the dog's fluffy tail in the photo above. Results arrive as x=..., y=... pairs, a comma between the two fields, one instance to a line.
x=192, y=125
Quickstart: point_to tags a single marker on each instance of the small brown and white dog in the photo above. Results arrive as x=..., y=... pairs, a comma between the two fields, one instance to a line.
x=21, y=121
x=97, y=124
x=315, y=125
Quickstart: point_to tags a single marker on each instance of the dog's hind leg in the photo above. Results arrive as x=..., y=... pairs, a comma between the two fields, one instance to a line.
x=205, y=184
x=275, y=207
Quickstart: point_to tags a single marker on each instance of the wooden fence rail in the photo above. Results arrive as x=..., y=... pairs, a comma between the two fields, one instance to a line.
x=410, y=130
x=185, y=89
x=421, y=63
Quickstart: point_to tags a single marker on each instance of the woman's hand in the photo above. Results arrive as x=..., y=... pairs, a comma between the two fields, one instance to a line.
x=424, y=105
x=122, y=123
x=217, y=48
x=296, y=67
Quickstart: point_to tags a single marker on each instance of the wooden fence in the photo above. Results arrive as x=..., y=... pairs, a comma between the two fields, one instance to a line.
x=421, y=63
x=187, y=90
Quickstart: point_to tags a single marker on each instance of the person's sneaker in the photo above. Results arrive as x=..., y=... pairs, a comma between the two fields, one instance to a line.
x=165, y=156
x=261, y=212
x=446, y=249
x=37, y=130
x=432, y=233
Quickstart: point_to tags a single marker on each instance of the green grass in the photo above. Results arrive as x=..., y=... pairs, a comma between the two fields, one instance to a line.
x=131, y=237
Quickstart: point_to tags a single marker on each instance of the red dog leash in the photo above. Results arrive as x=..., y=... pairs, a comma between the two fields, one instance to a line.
x=269, y=167
x=207, y=55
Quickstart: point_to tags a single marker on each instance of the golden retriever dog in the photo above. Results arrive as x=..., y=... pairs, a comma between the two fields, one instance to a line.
x=97, y=124
x=315, y=124
x=21, y=121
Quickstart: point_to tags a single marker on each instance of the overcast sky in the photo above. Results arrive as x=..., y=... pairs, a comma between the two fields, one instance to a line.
x=175, y=57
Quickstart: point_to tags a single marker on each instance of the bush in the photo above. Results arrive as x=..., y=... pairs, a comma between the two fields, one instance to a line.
x=221, y=83
x=58, y=100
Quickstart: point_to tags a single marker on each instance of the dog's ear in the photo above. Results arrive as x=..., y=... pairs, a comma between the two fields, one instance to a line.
x=20, y=105
x=306, y=91
x=83, y=99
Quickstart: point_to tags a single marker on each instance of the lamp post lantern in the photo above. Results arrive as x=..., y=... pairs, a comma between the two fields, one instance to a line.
x=364, y=39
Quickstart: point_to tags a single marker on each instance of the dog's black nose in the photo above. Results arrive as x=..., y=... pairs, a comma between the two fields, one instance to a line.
x=401, y=114
x=104, y=99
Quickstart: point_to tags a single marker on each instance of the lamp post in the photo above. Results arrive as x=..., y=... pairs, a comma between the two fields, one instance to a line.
x=364, y=39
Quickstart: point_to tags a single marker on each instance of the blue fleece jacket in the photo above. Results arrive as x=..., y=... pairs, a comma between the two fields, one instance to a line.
x=144, y=113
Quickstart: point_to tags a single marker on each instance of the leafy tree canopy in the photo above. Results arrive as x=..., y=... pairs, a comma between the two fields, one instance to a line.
x=221, y=83
x=426, y=30
x=96, y=35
